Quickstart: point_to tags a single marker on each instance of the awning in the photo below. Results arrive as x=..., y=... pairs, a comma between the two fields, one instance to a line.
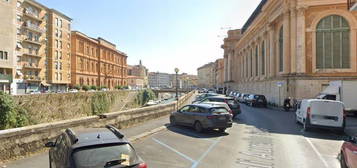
x=19, y=73
x=43, y=83
x=18, y=45
x=331, y=90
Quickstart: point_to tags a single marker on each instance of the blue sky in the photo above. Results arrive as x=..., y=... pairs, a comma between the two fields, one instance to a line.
x=164, y=34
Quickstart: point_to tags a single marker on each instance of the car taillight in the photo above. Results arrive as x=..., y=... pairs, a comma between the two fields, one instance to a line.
x=309, y=112
x=143, y=165
x=230, y=111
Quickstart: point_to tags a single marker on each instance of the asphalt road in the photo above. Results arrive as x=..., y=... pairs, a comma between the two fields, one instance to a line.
x=259, y=138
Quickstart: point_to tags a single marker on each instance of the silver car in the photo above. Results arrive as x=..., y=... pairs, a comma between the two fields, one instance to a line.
x=202, y=116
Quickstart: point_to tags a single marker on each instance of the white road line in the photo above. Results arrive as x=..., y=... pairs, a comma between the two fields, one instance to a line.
x=174, y=150
x=317, y=152
x=204, y=154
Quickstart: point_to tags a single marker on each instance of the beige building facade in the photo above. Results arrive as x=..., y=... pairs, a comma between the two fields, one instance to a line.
x=7, y=45
x=293, y=48
x=206, y=75
x=219, y=73
x=96, y=62
x=138, y=76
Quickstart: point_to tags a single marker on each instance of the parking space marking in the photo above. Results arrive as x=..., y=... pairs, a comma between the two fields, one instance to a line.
x=317, y=152
x=174, y=150
x=204, y=154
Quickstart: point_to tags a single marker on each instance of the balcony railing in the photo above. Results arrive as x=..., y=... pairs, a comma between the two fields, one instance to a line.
x=5, y=78
x=31, y=66
x=34, y=27
x=352, y=4
x=32, y=14
x=32, y=78
x=32, y=41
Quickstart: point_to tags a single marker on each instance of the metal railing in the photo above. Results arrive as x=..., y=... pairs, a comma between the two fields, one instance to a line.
x=351, y=3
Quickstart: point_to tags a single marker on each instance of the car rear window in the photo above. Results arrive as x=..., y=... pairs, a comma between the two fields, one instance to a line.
x=219, y=110
x=231, y=101
x=98, y=156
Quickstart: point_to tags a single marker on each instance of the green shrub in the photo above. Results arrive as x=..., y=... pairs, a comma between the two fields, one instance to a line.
x=125, y=87
x=11, y=116
x=100, y=104
x=93, y=87
x=144, y=96
x=118, y=87
x=85, y=87
x=78, y=87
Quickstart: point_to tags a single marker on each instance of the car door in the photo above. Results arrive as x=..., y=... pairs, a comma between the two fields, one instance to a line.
x=194, y=115
x=56, y=158
x=180, y=115
x=351, y=154
x=298, y=112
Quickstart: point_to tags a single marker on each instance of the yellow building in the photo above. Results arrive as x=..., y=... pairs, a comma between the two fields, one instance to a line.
x=293, y=48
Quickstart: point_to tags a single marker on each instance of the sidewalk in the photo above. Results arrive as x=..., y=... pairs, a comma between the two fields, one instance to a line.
x=351, y=126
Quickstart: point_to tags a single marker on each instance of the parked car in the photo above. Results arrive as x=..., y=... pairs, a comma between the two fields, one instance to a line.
x=73, y=90
x=203, y=96
x=202, y=116
x=348, y=155
x=257, y=100
x=233, y=104
x=34, y=92
x=93, y=147
x=245, y=98
x=221, y=104
x=321, y=113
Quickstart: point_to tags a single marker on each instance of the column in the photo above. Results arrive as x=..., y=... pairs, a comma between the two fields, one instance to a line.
x=286, y=24
x=272, y=56
x=300, y=41
x=293, y=37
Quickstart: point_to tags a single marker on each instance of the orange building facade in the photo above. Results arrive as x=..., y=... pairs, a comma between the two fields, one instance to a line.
x=96, y=62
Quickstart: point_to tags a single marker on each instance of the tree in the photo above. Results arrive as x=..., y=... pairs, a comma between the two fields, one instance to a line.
x=85, y=87
x=11, y=116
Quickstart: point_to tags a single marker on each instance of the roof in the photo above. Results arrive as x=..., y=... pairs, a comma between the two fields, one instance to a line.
x=96, y=136
x=221, y=97
x=254, y=15
x=61, y=14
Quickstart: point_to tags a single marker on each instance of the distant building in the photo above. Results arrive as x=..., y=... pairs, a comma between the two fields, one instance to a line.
x=97, y=62
x=160, y=80
x=206, y=75
x=138, y=76
x=187, y=81
x=219, y=73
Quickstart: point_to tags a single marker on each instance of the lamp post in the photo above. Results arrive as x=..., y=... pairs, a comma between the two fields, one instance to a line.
x=176, y=70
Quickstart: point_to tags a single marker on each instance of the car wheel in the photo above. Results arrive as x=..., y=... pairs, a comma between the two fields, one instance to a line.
x=222, y=130
x=173, y=121
x=198, y=126
x=342, y=161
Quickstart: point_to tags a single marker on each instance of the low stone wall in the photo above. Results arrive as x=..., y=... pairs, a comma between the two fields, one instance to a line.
x=44, y=108
x=19, y=142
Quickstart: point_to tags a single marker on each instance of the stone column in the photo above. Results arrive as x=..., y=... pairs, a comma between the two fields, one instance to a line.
x=272, y=56
x=286, y=36
x=293, y=37
x=300, y=41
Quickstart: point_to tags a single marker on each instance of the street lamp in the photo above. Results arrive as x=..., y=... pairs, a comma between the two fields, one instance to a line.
x=176, y=70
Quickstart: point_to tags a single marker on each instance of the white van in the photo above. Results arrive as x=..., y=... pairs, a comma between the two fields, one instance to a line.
x=317, y=113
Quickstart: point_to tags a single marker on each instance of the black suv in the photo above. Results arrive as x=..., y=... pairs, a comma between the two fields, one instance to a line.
x=232, y=103
x=92, y=148
x=257, y=100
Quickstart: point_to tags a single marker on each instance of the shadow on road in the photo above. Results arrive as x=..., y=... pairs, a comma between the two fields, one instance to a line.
x=187, y=131
x=280, y=122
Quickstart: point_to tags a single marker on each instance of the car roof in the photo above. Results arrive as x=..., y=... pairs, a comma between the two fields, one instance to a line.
x=221, y=97
x=96, y=136
x=204, y=105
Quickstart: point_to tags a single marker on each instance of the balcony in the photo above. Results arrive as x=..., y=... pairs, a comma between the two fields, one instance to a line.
x=31, y=66
x=5, y=78
x=32, y=15
x=32, y=78
x=32, y=41
x=33, y=27
x=32, y=54
x=352, y=5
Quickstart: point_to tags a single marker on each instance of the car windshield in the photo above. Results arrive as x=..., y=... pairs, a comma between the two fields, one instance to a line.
x=217, y=110
x=98, y=156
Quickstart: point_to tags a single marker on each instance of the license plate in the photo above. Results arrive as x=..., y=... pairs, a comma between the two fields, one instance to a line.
x=222, y=118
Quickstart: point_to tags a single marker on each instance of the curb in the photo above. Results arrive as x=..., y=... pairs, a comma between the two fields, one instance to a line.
x=145, y=134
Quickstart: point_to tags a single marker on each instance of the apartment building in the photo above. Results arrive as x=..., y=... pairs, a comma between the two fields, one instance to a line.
x=7, y=44
x=96, y=62
x=293, y=49
x=206, y=75
x=42, y=48
x=160, y=80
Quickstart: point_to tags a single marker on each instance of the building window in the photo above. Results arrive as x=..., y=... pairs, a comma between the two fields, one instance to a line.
x=60, y=55
x=256, y=61
x=263, y=58
x=56, y=43
x=18, y=17
x=251, y=62
x=281, y=49
x=60, y=44
x=60, y=34
x=18, y=4
x=56, y=32
x=57, y=55
x=333, y=43
x=56, y=22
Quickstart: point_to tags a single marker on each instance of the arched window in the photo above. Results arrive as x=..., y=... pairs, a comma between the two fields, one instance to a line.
x=281, y=49
x=333, y=43
x=262, y=48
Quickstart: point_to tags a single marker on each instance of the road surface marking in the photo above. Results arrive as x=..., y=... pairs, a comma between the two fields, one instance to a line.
x=174, y=150
x=317, y=152
x=195, y=164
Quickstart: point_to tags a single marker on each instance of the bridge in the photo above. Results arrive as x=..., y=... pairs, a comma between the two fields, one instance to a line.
x=158, y=91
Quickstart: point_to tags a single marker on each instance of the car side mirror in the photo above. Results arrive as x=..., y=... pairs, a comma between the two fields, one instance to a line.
x=50, y=144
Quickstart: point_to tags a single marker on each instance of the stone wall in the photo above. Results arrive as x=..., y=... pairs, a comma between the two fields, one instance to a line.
x=19, y=142
x=44, y=108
